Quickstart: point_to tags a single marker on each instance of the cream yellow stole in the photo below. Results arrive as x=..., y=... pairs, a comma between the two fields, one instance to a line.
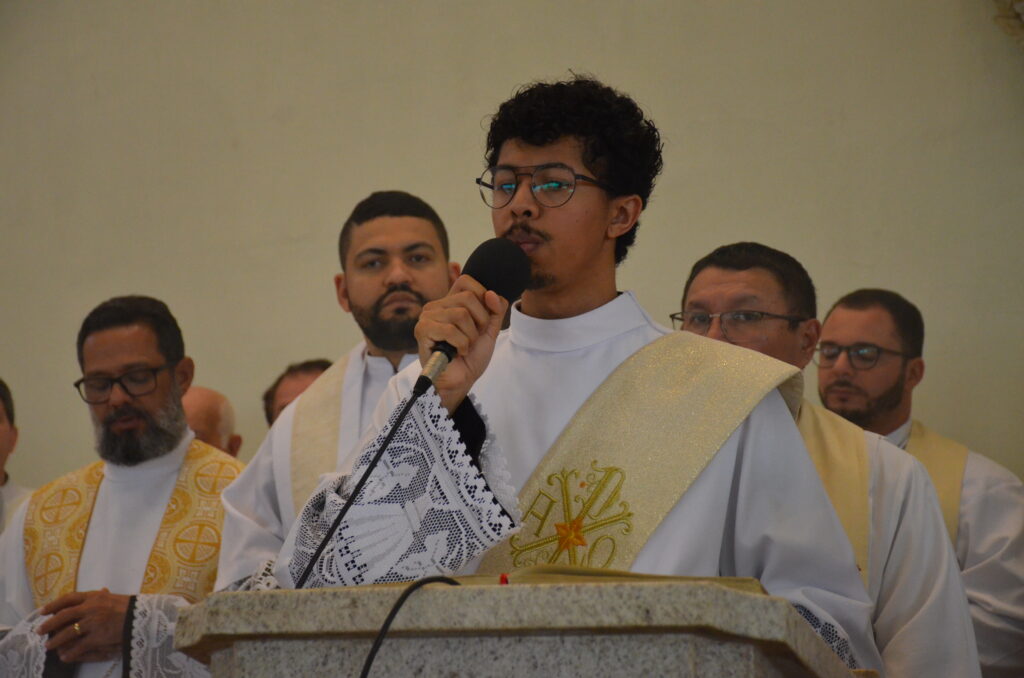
x=945, y=461
x=633, y=449
x=841, y=457
x=183, y=559
x=315, y=431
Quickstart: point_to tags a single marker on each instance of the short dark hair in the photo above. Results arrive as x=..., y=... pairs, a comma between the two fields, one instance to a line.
x=905, y=316
x=620, y=146
x=389, y=204
x=315, y=366
x=7, y=401
x=131, y=310
x=797, y=286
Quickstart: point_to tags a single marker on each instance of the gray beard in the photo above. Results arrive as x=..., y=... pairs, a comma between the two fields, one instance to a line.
x=161, y=435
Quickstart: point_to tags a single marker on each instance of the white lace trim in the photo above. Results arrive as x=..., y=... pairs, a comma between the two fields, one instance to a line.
x=425, y=510
x=495, y=468
x=263, y=580
x=22, y=650
x=152, y=645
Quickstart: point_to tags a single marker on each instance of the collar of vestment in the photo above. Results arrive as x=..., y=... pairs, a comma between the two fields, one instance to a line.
x=618, y=316
x=183, y=557
x=901, y=436
x=633, y=449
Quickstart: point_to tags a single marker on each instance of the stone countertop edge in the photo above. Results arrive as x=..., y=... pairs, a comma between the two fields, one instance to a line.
x=437, y=609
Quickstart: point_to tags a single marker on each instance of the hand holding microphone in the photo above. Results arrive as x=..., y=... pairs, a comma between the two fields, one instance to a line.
x=456, y=333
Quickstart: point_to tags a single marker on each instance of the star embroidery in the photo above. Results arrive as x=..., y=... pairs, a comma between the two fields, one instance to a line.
x=570, y=534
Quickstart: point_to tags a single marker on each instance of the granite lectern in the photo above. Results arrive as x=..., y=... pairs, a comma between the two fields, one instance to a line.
x=544, y=623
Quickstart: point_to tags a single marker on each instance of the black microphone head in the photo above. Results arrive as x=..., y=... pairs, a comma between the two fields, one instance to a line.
x=500, y=265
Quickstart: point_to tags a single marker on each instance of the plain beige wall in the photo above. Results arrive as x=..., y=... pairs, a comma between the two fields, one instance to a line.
x=207, y=154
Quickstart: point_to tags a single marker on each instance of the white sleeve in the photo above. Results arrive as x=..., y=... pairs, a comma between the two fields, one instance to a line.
x=921, y=620
x=425, y=510
x=787, y=535
x=15, y=596
x=22, y=650
x=152, y=653
x=255, y=521
x=990, y=548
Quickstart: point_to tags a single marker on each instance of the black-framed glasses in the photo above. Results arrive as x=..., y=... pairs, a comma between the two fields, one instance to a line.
x=552, y=184
x=862, y=356
x=138, y=382
x=740, y=327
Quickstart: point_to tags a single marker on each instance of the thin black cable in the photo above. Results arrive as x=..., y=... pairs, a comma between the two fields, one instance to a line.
x=421, y=386
x=409, y=590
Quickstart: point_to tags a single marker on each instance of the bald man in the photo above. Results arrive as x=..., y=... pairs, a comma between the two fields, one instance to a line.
x=211, y=416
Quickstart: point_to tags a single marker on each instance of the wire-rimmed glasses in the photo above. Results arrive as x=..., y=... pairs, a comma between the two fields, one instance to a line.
x=552, y=184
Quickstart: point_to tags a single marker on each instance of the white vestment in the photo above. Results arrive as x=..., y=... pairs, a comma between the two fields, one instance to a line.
x=758, y=509
x=11, y=496
x=990, y=553
x=922, y=625
x=258, y=506
x=126, y=517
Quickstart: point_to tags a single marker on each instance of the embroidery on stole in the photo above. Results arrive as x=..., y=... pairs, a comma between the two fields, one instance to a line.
x=315, y=431
x=632, y=450
x=840, y=454
x=945, y=461
x=183, y=559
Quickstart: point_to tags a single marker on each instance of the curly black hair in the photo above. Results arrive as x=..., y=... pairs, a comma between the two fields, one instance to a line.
x=620, y=146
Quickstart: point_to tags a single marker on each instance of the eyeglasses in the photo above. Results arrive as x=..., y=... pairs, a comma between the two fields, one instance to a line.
x=552, y=184
x=861, y=356
x=137, y=382
x=739, y=327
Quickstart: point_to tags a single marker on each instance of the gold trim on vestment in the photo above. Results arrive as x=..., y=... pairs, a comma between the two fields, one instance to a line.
x=632, y=450
x=315, y=429
x=840, y=454
x=945, y=461
x=183, y=558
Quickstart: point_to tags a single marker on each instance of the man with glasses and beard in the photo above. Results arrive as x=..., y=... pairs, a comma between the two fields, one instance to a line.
x=394, y=259
x=97, y=562
x=869, y=363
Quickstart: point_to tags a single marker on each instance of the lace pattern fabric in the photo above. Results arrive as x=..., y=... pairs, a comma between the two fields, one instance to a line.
x=425, y=510
x=152, y=644
x=832, y=636
x=22, y=650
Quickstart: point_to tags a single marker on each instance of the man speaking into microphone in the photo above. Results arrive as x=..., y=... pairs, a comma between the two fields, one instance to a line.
x=609, y=441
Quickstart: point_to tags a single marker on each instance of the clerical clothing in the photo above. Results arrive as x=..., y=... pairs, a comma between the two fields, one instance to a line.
x=920, y=616
x=756, y=509
x=261, y=505
x=11, y=496
x=989, y=546
x=152, y=528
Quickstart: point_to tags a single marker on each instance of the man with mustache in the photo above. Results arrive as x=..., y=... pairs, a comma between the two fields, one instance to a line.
x=108, y=553
x=763, y=299
x=393, y=250
x=629, y=446
x=870, y=361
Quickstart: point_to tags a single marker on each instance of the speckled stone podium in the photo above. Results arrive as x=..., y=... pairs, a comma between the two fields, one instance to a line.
x=704, y=628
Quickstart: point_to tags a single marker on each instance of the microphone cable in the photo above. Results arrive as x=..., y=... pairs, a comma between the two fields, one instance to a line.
x=409, y=590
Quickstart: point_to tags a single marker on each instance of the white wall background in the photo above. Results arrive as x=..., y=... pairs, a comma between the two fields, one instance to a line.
x=207, y=153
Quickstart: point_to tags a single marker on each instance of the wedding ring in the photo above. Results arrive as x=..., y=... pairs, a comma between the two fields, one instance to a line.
x=77, y=628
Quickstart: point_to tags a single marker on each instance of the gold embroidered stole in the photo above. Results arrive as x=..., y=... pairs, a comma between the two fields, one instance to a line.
x=632, y=450
x=183, y=559
x=315, y=430
x=945, y=461
x=841, y=457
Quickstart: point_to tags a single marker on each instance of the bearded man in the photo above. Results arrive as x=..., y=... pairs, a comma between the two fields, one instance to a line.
x=870, y=360
x=97, y=563
x=394, y=259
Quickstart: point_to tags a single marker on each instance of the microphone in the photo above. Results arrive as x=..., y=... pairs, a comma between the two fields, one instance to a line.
x=499, y=265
